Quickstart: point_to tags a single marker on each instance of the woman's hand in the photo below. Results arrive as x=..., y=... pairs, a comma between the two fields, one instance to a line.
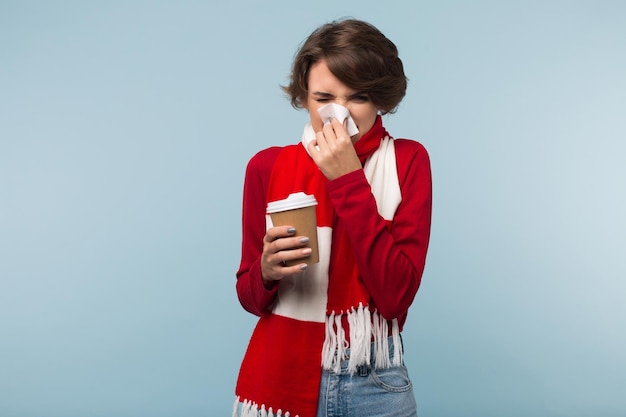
x=279, y=245
x=336, y=155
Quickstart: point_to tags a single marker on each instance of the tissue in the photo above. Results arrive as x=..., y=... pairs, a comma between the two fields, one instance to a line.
x=340, y=113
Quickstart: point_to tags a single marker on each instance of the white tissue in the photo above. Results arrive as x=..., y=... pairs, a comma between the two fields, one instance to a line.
x=340, y=113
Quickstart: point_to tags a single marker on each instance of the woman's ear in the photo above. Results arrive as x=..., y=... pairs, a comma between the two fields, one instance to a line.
x=303, y=103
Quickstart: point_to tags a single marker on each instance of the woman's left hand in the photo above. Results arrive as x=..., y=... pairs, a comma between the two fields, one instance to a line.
x=336, y=155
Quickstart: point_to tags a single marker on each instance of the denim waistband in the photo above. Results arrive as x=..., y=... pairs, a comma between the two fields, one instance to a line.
x=363, y=370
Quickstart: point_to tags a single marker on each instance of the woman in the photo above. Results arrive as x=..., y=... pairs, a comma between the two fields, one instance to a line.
x=338, y=350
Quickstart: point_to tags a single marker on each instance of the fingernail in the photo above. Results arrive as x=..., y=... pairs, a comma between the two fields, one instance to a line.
x=291, y=230
x=303, y=267
x=307, y=251
x=304, y=240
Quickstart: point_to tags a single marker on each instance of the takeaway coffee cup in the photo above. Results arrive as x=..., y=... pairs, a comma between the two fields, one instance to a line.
x=297, y=210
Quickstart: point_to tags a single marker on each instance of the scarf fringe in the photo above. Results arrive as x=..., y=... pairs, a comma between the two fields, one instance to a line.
x=251, y=409
x=366, y=329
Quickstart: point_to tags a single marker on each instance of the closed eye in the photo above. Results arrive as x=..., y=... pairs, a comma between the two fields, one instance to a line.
x=322, y=97
x=360, y=98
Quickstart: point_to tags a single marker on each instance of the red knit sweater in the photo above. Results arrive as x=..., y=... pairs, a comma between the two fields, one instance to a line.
x=390, y=257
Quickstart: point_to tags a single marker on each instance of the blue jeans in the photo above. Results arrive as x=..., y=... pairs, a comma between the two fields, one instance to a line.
x=370, y=392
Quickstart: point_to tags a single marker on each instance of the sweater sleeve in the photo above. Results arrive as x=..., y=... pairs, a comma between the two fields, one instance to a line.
x=390, y=259
x=253, y=295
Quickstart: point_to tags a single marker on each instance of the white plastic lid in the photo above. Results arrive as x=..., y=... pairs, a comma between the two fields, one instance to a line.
x=294, y=201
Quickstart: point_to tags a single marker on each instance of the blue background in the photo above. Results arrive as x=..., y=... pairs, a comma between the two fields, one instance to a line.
x=125, y=127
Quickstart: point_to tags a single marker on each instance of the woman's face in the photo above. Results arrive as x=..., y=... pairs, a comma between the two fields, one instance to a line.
x=325, y=88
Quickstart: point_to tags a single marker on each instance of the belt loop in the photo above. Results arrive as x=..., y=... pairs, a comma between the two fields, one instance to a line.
x=364, y=370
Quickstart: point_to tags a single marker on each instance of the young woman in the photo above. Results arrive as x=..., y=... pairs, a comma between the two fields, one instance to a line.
x=328, y=339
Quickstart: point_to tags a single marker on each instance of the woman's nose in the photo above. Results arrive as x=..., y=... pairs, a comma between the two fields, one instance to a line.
x=343, y=102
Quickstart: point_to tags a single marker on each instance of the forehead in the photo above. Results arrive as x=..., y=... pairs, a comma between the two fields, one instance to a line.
x=321, y=79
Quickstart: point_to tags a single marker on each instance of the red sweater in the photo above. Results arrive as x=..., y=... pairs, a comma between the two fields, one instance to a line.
x=390, y=258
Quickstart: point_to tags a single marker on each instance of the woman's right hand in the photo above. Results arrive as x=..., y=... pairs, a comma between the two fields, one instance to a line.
x=280, y=244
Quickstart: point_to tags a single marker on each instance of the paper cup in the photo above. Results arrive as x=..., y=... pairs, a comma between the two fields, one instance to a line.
x=298, y=210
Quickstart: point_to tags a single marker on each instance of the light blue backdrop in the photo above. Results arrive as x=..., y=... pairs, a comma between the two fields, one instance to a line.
x=125, y=127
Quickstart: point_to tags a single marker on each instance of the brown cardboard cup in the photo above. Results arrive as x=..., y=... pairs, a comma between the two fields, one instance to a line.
x=298, y=210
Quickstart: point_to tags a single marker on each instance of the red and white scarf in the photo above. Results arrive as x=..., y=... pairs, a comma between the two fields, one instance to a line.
x=280, y=373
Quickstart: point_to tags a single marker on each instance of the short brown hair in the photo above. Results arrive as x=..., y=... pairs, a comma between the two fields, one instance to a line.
x=359, y=55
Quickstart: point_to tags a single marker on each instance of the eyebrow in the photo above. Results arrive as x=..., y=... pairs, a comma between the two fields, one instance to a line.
x=327, y=95
x=322, y=94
